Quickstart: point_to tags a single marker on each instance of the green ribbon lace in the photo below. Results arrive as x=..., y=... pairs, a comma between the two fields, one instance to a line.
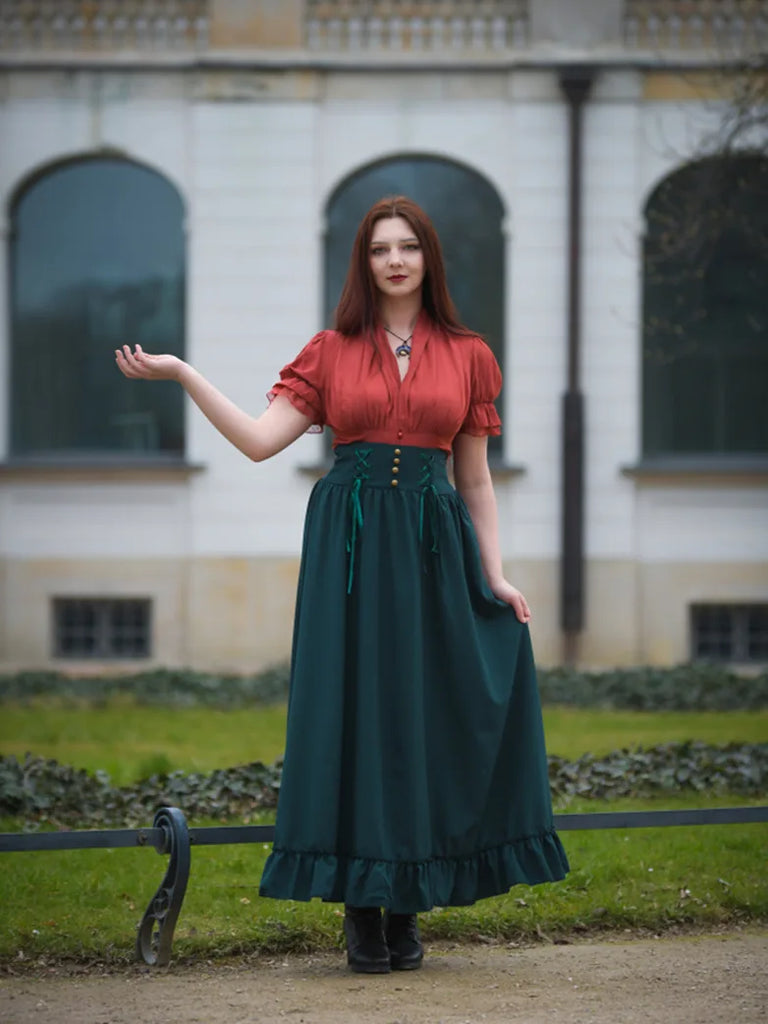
x=356, y=510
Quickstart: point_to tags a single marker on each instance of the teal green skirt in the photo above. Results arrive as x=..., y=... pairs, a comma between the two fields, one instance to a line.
x=415, y=771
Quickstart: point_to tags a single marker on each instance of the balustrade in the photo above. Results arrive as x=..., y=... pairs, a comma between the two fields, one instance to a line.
x=416, y=25
x=725, y=26
x=376, y=26
x=103, y=25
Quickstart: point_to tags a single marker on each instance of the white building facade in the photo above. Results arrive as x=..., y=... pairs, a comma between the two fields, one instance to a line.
x=119, y=550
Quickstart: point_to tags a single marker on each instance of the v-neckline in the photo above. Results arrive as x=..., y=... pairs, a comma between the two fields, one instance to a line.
x=417, y=346
x=402, y=376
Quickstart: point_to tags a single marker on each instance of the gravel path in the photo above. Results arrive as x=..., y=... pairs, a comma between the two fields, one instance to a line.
x=690, y=980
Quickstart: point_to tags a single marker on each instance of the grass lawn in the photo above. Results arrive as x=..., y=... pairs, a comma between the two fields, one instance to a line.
x=131, y=742
x=88, y=903
x=572, y=732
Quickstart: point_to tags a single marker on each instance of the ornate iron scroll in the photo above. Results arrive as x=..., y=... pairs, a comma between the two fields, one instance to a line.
x=155, y=935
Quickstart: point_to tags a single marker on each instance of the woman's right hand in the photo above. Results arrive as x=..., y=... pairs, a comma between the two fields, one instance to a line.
x=141, y=365
x=277, y=427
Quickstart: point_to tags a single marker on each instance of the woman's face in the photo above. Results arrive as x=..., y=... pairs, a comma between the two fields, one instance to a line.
x=397, y=262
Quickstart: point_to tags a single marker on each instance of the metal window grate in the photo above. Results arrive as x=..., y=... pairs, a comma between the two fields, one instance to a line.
x=85, y=627
x=729, y=632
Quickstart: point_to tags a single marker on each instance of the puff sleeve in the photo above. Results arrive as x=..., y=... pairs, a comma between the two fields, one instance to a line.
x=302, y=382
x=482, y=418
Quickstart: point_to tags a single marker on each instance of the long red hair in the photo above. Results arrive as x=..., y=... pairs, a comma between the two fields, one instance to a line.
x=358, y=312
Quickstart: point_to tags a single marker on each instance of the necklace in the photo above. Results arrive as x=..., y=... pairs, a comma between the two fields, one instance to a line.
x=404, y=349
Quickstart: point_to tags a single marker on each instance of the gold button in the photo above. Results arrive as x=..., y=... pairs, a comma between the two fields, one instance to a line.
x=397, y=451
x=394, y=483
x=395, y=469
x=396, y=461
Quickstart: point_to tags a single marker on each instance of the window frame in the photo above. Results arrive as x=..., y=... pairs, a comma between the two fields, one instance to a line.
x=496, y=339
x=26, y=451
x=105, y=630
x=738, y=632
x=722, y=353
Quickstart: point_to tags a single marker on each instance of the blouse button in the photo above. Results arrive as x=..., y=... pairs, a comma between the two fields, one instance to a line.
x=394, y=483
x=397, y=451
x=395, y=469
x=396, y=461
x=399, y=433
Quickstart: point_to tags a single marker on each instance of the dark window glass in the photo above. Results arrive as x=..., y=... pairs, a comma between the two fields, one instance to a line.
x=757, y=633
x=729, y=632
x=97, y=260
x=101, y=628
x=705, y=325
x=467, y=214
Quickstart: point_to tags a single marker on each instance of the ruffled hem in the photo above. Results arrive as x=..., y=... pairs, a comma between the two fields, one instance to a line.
x=482, y=420
x=299, y=402
x=411, y=887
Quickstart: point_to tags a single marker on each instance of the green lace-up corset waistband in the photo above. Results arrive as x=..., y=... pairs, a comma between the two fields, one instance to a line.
x=401, y=470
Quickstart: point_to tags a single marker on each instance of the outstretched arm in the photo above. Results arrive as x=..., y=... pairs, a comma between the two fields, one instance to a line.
x=257, y=437
x=473, y=482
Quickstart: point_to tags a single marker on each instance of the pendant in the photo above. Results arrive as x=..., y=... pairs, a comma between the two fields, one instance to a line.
x=403, y=350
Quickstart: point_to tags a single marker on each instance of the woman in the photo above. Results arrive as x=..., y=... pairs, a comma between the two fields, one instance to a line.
x=415, y=773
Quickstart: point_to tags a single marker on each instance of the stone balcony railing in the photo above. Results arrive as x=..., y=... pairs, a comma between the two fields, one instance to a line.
x=379, y=28
x=103, y=25
x=420, y=25
x=722, y=26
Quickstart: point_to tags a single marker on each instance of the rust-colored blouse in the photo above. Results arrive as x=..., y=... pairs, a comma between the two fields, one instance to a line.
x=354, y=387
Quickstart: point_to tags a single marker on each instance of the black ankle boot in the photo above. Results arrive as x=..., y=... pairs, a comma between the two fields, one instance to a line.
x=367, y=951
x=401, y=932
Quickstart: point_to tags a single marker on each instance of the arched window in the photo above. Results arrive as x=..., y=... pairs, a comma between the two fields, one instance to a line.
x=467, y=213
x=705, y=324
x=97, y=260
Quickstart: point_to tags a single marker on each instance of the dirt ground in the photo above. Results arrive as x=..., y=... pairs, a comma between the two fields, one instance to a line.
x=685, y=980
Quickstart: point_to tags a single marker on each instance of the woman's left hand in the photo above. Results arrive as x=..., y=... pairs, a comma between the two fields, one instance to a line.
x=511, y=595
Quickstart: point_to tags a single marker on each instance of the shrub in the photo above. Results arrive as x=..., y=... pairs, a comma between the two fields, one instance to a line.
x=38, y=789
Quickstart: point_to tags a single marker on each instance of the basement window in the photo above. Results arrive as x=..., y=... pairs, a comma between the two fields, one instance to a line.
x=729, y=632
x=103, y=628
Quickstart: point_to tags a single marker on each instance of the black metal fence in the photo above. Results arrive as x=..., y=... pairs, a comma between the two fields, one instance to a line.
x=171, y=836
